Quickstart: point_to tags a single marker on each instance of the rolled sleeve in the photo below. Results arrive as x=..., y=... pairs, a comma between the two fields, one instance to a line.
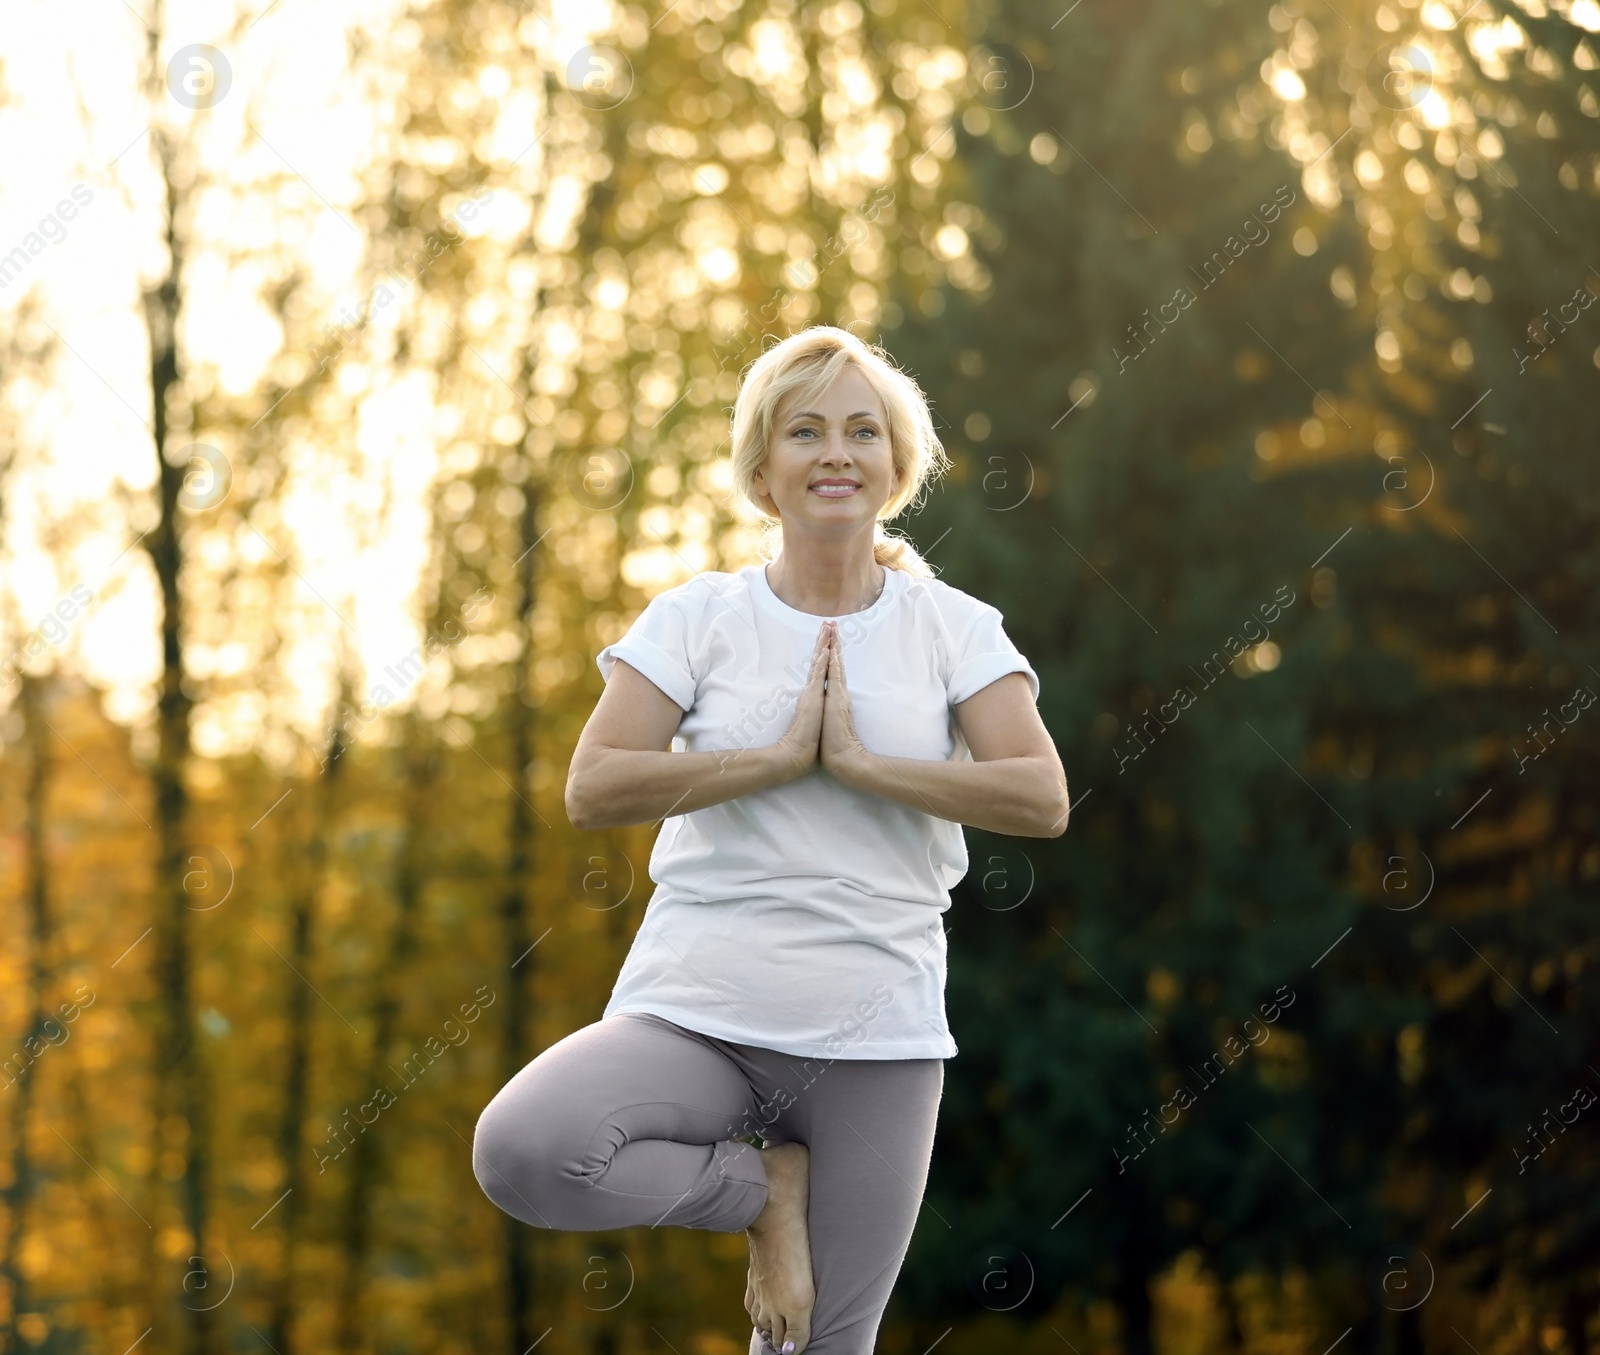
x=987, y=654
x=656, y=645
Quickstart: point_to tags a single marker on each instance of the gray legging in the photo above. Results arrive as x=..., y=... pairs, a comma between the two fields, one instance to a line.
x=637, y=1122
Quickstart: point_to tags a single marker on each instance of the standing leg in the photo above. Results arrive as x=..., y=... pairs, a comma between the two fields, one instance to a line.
x=627, y=1122
x=869, y=1125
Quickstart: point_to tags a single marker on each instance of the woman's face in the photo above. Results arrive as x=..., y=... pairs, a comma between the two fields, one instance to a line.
x=830, y=461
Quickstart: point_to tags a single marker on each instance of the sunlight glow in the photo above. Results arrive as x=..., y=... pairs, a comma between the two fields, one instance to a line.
x=1287, y=85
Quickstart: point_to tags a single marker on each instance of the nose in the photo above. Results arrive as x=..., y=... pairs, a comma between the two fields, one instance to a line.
x=835, y=449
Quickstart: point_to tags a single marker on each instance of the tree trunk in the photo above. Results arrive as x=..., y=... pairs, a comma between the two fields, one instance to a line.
x=182, y=1112
x=514, y=912
x=356, y=1223
x=40, y=965
x=1233, y=1323
x=1575, y=1312
x=1132, y=1296
x=1408, y=1333
x=303, y=928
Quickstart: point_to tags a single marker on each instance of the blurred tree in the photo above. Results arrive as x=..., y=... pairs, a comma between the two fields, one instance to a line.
x=184, y=1107
x=311, y=882
x=1179, y=515
x=1107, y=397
x=17, y=1073
x=394, y=979
x=515, y=901
x=1465, y=169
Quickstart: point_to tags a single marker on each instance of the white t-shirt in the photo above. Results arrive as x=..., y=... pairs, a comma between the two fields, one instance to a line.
x=805, y=918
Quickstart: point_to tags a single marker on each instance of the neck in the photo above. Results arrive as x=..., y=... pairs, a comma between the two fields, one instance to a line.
x=826, y=578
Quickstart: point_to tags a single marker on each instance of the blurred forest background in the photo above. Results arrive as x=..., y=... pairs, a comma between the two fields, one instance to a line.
x=366, y=369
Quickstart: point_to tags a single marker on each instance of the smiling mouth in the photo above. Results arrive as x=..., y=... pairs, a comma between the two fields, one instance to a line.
x=835, y=491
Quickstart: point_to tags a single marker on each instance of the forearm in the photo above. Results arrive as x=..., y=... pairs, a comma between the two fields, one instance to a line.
x=613, y=787
x=1019, y=796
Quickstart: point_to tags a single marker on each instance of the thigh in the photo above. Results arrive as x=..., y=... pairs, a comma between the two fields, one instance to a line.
x=869, y=1125
x=631, y=1061
x=633, y=1105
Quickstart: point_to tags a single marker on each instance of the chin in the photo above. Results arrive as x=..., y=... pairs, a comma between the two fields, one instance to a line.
x=838, y=519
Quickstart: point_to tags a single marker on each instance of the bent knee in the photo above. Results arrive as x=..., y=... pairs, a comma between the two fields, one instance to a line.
x=524, y=1165
x=508, y=1160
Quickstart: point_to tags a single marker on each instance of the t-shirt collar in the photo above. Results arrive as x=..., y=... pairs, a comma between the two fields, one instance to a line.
x=771, y=603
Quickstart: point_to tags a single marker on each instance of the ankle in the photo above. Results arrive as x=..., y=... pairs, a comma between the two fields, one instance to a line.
x=767, y=1220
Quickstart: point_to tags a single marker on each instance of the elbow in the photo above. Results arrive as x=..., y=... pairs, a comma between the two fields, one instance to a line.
x=582, y=810
x=578, y=812
x=1056, y=814
x=598, y=796
x=1041, y=809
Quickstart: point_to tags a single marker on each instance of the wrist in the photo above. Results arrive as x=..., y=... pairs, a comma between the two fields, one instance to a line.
x=784, y=762
x=850, y=767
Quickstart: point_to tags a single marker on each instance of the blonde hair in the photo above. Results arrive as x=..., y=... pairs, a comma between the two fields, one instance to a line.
x=806, y=363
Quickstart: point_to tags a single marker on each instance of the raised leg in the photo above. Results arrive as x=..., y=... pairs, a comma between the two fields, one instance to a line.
x=624, y=1123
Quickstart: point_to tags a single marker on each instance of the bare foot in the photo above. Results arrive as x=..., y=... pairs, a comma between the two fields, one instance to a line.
x=780, y=1293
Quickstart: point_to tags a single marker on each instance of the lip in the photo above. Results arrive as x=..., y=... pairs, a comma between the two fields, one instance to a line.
x=843, y=488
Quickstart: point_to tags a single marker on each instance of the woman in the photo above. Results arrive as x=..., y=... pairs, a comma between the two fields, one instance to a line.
x=842, y=713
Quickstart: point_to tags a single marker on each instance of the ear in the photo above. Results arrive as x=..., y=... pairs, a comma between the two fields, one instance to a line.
x=760, y=488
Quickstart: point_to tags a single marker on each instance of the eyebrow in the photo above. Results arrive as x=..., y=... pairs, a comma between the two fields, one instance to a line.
x=812, y=414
